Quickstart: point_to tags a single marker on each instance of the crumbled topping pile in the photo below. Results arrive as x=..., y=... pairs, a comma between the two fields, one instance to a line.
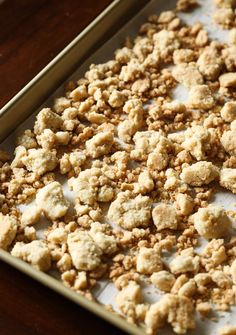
x=142, y=169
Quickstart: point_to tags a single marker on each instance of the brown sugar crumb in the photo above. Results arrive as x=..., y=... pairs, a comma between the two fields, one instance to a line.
x=186, y=5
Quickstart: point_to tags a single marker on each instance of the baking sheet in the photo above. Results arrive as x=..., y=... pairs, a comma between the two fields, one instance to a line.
x=105, y=292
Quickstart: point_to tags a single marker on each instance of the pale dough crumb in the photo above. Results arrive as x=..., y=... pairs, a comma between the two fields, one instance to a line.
x=224, y=17
x=188, y=289
x=212, y=222
x=129, y=212
x=57, y=236
x=81, y=281
x=107, y=243
x=228, y=79
x=85, y=254
x=187, y=74
x=228, y=141
x=8, y=229
x=176, y=310
x=90, y=186
x=185, y=262
x=225, y=3
x=184, y=204
x=200, y=173
x=204, y=309
x=148, y=261
x=51, y=201
x=200, y=97
x=146, y=142
x=197, y=142
x=100, y=144
x=145, y=183
x=30, y=216
x=228, y=112
x=228, y=179
x=129, y=297
x=233, y=271
x=36, y=253
x=165, y=217
x=163, y=280
x=40, y=161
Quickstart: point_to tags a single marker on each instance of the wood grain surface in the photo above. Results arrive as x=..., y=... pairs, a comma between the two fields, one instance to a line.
x=31, y=34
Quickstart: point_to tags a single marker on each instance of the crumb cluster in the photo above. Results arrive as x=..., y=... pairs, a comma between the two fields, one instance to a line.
x=142, y=169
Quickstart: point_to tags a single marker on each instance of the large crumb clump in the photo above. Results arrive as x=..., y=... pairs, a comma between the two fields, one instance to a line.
x=130, y=212
x=212, y=222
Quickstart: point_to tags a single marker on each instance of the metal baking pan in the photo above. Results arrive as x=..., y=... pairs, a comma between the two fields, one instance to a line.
x=26, y=102
x=72, y=62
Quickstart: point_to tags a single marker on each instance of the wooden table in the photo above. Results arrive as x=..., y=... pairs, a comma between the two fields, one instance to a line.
x=31, y=34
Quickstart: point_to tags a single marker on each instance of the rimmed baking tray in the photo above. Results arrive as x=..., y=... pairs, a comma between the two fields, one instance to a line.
x=25, y=103
x=93, y=45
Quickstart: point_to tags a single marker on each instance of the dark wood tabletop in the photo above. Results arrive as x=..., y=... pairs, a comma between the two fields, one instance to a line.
x=31, y=34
